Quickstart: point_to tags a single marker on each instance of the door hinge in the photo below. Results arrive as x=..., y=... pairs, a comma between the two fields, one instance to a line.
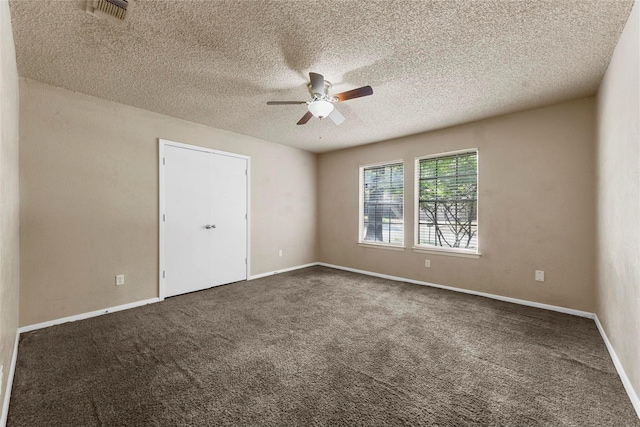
x=246, y=216
x=163, y=274
x=245, y=260
x=246, y=172
x=164, y=219
x=164, y=161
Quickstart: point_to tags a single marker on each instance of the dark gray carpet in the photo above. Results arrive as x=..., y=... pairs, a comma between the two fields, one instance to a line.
x=320, y=347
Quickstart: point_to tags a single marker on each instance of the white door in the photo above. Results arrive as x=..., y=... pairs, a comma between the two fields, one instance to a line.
x=229, y=248
x=204, y=219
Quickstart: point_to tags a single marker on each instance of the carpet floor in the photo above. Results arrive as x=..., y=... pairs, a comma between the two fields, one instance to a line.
x=316, y=347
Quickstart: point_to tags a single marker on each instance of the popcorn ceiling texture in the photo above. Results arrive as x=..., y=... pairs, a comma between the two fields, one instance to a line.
x=431, y=64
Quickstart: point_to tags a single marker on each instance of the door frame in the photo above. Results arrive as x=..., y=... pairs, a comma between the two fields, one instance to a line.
x=162, y=143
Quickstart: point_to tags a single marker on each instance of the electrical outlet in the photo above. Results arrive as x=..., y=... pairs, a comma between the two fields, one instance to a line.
x=539, y=276
x=427, y=263
x=280, y=252
x=120, y=279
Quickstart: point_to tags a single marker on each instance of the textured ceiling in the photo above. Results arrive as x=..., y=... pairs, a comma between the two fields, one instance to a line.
x=431, y=64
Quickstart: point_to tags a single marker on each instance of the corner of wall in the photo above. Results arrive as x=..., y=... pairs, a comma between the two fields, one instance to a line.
x=9, y=207
x=316, y=250
x=617, y=204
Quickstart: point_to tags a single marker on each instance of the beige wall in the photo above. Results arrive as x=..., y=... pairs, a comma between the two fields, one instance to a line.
x=9, y=251
x=536, y=206
x=618, y=201
x=89, y=200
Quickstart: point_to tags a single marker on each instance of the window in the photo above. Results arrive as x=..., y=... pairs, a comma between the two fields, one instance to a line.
x=381, y=204
x=447, y=201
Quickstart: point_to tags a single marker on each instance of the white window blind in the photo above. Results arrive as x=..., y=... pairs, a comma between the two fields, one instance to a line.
x=447, y=201
x=382, y=198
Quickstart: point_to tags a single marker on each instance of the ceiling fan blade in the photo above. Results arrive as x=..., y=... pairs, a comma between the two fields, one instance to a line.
x=336, y=117
x=305, y=118
x=354, y=93
x=285, y=102
x=317, y=83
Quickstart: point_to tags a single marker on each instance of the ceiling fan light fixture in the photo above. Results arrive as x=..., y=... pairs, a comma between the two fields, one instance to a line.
x=320, y=108
x=321, y=104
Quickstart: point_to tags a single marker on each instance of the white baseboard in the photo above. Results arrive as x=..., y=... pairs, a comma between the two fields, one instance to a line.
x=284, y=270
x=9, y=385
x=565, y=310
x=635, y=401
x=87, y=315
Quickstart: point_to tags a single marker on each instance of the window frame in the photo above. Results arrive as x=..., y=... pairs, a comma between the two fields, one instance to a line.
x=381, y=245
x=443, y=250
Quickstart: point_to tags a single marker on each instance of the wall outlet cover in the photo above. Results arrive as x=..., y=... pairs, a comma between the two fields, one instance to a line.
x=120, y=279
x=539, y=276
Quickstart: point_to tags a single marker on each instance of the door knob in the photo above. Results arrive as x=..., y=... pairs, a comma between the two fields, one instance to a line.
x=209, y=226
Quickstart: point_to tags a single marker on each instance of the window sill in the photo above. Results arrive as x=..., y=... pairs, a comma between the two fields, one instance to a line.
x=446, y=252
x=381, y=246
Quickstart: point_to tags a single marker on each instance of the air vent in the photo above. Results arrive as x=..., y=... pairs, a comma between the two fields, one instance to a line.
x=113, y=9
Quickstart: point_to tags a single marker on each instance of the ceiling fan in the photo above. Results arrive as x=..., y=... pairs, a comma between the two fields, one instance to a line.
x=321, y=105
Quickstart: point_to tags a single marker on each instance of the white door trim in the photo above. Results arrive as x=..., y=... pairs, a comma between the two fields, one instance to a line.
x=162, y=143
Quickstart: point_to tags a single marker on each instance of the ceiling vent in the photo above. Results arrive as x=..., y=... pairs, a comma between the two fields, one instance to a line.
x=110, y=9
